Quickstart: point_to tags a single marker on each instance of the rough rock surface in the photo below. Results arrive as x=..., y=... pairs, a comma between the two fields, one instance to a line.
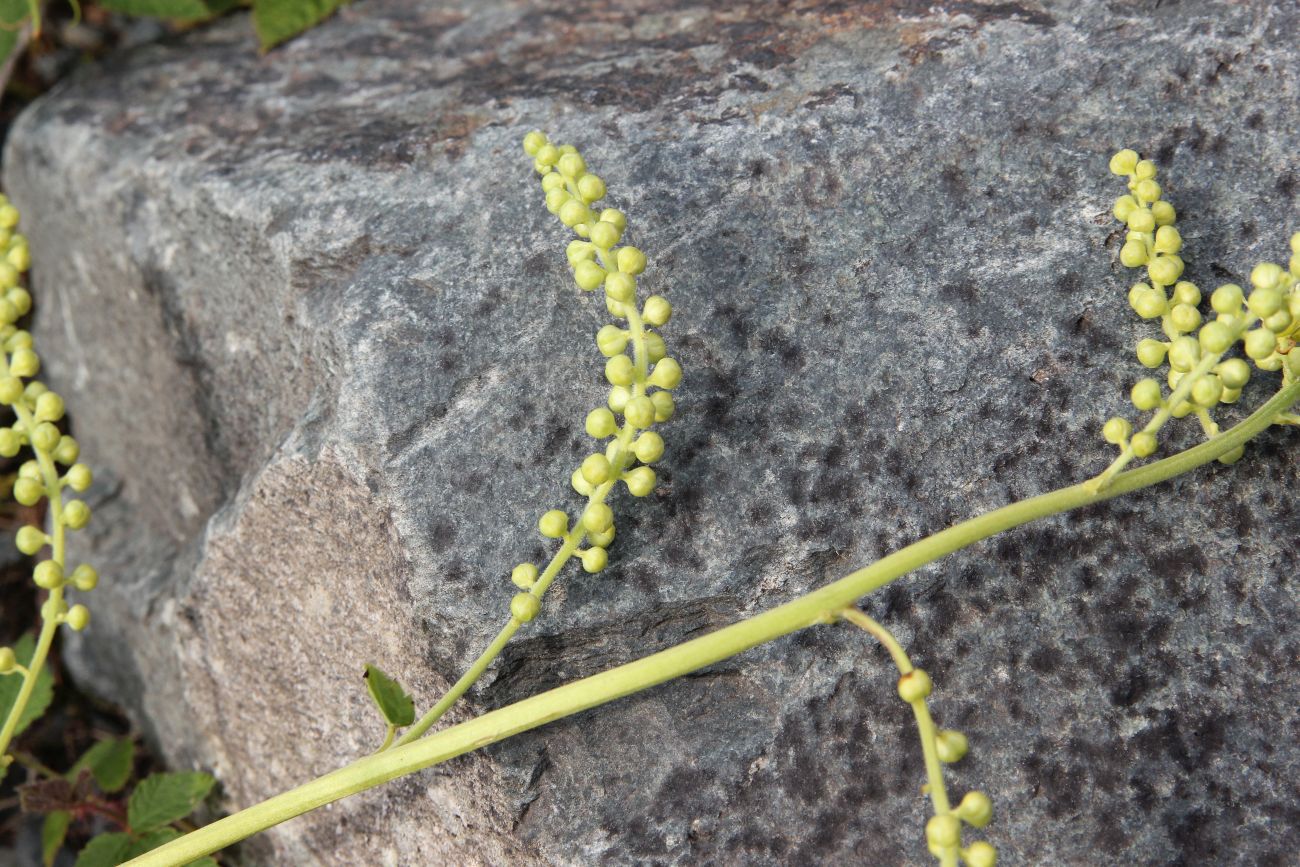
x=317, y=334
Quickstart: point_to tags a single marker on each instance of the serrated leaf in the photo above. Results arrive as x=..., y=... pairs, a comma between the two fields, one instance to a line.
x=278, y=20
x=10, y=684
x=152, y=841
x=53, y=833
x=106, y=850
x=110, y=762
x=397, y=708
x=163, y=798
x=181, y=10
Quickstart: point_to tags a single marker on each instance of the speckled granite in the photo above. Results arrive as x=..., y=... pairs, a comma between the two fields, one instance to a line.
x=298, y=304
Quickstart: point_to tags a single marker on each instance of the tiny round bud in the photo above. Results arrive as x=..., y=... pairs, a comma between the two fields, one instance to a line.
x=76, y=514
x=48, y=574
x=1124, y=206
x=573, y=212
x=596, y=468
x=592, y=188
x=1164, y=213
x=30, y=540
x=664, y=405
x=556, y=199
x=594, y=559
x=631, y=260
x=1265, y=275
x=619, y=370
x=914, y=686
x=1207, y=390
x=533, y=142
x=657, y=311
x=598, y=517
x=951, y=746
x=1185, y=318
x=49, y=407
x=578, y=251
x=11, y=390
x=1216, y=337
x=18, y=340
x=85, y=578
x=20, y=257
x=655, y=349
x=67, y=451
x=1184, y=353
x=24, y=362
x=943, y=832
x=1124, y=162
x=553, y=524
x=524, y=576
x=79, y=477
x=1151, y=303
x=640, y=481
x=547, y=154
x=611, y=340
x=1227, y=299
x=640, y=412
x=552, y=181
x=980, y=854
x=1147, y=190
x=1186, y=293
x=524, y=607
x=649, y=447
x=618, y=398
x=1143, y=444
x=572, y=165
x=620, y=286
x=45, y=437
x=1147, y=395
x=1140, y=220
x=8, y=661
x=1265, y=302
x=28, y=492
x=1234, y=372
x=580, y=484
x=77, y=618
x=1152, y=352
x=615, y=216
x=1260, y=343
x=10, y=442
x=1165, y=269
x=975, y=809
x=1133, y=254
x=604, y=235
x=8, y=275
x=1278, y=322
x=601, y=423
x=1116, y=430
x=588, y=275
x=667, y=374
x=1145, y=170
x=1168, y=240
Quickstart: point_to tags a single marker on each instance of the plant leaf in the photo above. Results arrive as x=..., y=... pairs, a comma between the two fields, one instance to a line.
x=10, y=684
x=160, y=799
x=53, y=833
x=205, y=861
x=278, y=20
x=106, y=850
x=397, y=708
x=109, y=761
x=48, y=796
x=152, y=841
x=182, y=10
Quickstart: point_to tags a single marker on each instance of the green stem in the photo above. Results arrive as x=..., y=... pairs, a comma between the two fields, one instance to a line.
x=819, y=606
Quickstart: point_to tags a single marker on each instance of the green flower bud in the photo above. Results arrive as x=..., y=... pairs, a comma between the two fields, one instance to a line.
x=598, y=517
x=914, y=686
x=30, y=540
x=580, y=484
x=1185, y=318
x=615, y=217
x=601, y=423
x=640, y=481
x=1260, y=343
x=49, y=407
x=664, y=405
x=45, y=437
x=1152, y=352
x=1143, y=444
x=533, y=142
x=524, y=607
x=18, y=340
x=572, y=165
x=24, y=362
x=1265, y=302
x=8, y=276
x=951, y=746
x=631, y=260
x=1168, y=240
x=523, y=576
x=943, y=832
x=620, y=286
x=1182, y=409
x=639, y=412
x=596, y=469
x=1207, y=390
x=657, y=311
x=588, y=275
x=1147, y=395
x=980, y=854
x=1151, y=303
x=655, y=349
x=594, y=559
x=10, y=442
x=975, y=809
x=618, y=399
x=77, y=618
x=1227, y=299
x=1265, y=275
x=1234, y=372
x=1164, y=213
x=1186, y=293
x=20, y=258
x=553, y=524
x=579, y=251
x=592, y=188
x=547, y=154
x=601, y=539
x=48, y=574
x=11, y=390
x=667, y=374
x=1165, y=269
x=1145, y=170
x=8, y=661
x=1184, y=353
x=1116, y=430
x=573, y=212
x=604, y=235
x=1216, y=337
x=79, y=477
x=28, y=492
x=611, y=340
x=1133, y=254
x=1124, y=162
x=619, y=370
x=649, y=447
x=1141, y=220
x=1124, y=206
x=1147, y=190
x=556, y=199
x=8, y=312
x=85, y=578
x=76, y=514
x=67, y=451
x=1278, y=322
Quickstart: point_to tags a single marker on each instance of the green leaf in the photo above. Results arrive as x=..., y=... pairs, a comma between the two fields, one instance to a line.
x=396, y=706
x=205, y=861
x=163, y=798
x=53, y=833
x=183, y=10
x=151, y=841
x=109, y=761
x=10, y=684
x=106, y=850
x=278, y=20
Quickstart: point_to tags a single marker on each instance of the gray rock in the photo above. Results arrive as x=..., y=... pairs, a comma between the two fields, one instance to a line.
x=316, y=332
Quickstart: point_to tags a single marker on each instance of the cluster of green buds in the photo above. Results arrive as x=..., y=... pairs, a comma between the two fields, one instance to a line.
x=943, y=832
x=1195, y=346
x=52, y=471
x=640, y=373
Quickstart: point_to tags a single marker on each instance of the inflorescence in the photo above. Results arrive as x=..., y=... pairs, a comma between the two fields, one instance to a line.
x=1200, y=376
x=37, y=412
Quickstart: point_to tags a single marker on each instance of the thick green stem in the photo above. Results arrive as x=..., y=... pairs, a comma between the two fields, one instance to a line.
x=819, y=606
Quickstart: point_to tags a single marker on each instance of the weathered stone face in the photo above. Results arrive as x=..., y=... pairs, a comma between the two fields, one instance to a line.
x=317, y=336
